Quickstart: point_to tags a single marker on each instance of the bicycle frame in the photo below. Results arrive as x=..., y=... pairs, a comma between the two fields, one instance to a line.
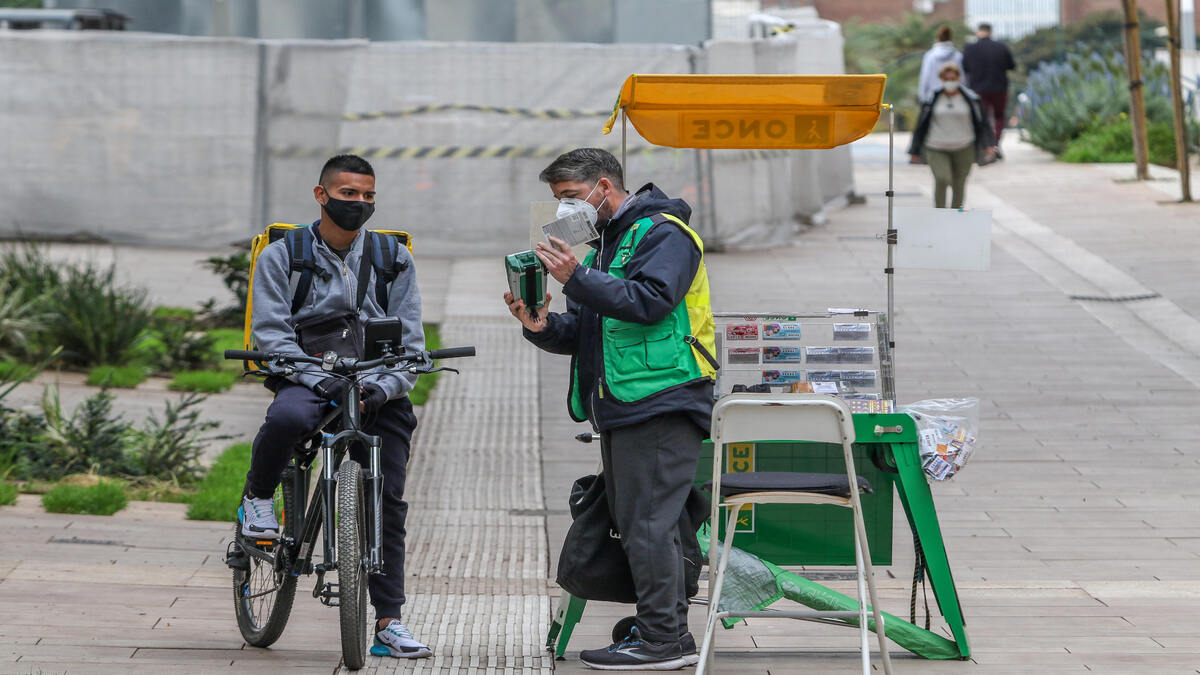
x=320, y=512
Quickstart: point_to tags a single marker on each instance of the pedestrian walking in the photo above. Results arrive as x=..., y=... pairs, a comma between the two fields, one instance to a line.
x=986, y=63
x=942, y=52
x=953, y=133
x=639, y=330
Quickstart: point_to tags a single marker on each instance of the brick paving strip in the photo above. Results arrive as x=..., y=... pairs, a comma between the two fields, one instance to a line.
x=476, y=529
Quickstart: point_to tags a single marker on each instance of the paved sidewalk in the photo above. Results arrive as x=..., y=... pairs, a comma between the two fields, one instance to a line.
x=1072, y=534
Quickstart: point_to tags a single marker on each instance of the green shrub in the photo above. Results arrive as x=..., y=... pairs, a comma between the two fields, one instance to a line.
x=1113, y=142
x=93, y=438
x=11, y=370
x=29, y=272
x=219, y=493
x=95, y=321
x=234, y=271
x=181, y=314
x=226, y=338
x=21, y=319
x=207, y=381
x=121, y=377
x=170, y=449
x=1089, y=95
x=102, y=499
x=8, y=493
x=425, y=383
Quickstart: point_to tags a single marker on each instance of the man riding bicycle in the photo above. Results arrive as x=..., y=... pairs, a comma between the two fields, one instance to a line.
x=327, y=319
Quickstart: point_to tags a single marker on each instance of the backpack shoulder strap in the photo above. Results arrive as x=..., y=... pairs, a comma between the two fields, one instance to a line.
x=303, y=264
x=370, y=246
x=384, y=261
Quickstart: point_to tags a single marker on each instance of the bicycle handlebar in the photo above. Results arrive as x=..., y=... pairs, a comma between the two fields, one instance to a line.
x=452, y=352
x=391, y=360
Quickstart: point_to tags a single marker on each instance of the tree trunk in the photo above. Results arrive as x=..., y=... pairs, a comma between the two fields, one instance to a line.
x=1137, y=101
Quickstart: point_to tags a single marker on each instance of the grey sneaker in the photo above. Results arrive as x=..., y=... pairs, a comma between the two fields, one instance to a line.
x=396, y=640
x=258, y=518
x=687, y=644
x=634, y=653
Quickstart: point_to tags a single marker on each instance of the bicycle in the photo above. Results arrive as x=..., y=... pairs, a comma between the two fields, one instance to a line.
x=265, y=572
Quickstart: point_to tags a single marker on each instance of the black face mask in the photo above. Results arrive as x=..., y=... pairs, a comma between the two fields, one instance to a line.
x=346, y=214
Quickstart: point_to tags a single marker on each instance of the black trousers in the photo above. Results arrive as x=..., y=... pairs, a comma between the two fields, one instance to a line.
x=648, y=470
x=292, y=417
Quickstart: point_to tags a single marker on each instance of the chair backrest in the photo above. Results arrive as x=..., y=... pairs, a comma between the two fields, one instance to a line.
x=781, y=417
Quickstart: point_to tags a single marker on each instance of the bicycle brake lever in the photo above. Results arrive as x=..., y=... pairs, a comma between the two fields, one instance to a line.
x=438, y=370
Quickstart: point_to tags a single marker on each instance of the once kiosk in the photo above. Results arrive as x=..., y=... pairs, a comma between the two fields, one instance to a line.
x=783, y=112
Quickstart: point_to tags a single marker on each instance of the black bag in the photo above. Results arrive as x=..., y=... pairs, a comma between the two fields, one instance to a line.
x=342, y=334
x=593, y=565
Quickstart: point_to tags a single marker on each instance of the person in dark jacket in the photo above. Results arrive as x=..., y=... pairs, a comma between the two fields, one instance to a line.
x=953, y=133
x=986, y=63
x=639, y=330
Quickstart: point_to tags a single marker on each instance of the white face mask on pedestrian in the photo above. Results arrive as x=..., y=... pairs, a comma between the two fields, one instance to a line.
x=950, y=86
x=570, y=205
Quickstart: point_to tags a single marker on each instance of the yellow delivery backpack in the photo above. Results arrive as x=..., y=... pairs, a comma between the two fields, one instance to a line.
x=383, y=246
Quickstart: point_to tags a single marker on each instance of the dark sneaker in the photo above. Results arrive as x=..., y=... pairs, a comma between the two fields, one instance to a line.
x=687, y=645
x=634, y=653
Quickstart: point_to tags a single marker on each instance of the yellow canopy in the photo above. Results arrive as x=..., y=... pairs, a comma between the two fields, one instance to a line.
x=751, y=111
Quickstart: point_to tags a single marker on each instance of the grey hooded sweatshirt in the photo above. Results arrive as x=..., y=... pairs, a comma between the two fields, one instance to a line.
x=274, y=326
x=939, y=55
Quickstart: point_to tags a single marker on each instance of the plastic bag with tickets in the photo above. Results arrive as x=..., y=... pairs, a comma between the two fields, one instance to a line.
x=948, y=429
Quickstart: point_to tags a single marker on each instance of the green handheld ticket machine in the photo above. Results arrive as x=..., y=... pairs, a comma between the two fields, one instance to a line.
x=526, y=279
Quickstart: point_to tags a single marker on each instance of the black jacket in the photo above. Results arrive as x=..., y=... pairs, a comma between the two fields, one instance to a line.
x=986, y=64
x=658, y=277
x=985, y=137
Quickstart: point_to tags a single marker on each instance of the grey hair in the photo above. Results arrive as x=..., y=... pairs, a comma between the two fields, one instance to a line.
x=585, y=165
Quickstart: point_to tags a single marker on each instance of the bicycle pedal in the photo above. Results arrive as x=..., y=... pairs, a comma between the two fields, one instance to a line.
x=238, y=560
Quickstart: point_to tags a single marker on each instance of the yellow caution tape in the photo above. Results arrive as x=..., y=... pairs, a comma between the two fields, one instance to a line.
x=448, y=151
x=531, y=113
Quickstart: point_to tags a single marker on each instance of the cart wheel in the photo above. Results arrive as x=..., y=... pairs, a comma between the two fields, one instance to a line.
x=623, y=627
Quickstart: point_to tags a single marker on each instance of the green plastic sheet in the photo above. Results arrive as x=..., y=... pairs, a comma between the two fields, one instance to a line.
x=752, y=583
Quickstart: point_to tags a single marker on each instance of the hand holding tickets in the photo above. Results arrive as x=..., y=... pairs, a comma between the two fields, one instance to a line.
x=574, y=228
x=558, y=258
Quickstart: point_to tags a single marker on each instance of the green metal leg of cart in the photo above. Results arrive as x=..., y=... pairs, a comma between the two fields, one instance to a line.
x=570, y=610
x=918, y=506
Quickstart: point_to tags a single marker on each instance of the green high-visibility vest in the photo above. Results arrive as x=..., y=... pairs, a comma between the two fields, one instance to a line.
x=641, y=360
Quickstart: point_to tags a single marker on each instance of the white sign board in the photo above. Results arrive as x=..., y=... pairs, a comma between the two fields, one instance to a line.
x=943, y=239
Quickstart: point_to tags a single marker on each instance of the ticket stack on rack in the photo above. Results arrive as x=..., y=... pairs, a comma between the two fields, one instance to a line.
x=833, y=353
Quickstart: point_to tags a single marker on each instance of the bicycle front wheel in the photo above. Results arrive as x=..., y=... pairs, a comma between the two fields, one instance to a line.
x=263, y=594
x=351, y=561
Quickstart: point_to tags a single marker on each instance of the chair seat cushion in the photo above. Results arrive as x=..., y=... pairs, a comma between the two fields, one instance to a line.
x=785, y=481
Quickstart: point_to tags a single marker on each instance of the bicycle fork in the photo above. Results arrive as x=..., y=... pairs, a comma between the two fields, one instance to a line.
x=374, y=481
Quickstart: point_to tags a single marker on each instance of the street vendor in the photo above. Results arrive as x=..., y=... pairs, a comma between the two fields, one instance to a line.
x=639, y=330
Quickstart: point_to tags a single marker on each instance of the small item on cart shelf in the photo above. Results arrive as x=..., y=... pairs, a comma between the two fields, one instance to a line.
x=947, y=430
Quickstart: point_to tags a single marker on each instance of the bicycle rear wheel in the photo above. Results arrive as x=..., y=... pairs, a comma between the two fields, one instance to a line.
x=263, y=594
x=351, y=560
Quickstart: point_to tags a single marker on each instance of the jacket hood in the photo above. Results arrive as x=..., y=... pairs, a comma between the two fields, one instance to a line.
x=943, y=49
x=647, y=201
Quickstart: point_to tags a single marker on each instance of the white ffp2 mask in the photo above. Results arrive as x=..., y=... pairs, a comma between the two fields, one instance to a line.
x=569, y=205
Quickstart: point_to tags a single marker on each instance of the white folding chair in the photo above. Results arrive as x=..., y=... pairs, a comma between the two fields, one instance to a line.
x=787, y=417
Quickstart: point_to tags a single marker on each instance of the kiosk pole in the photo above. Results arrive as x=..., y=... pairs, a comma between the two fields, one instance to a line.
x=624, y=166
x=891, y=230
